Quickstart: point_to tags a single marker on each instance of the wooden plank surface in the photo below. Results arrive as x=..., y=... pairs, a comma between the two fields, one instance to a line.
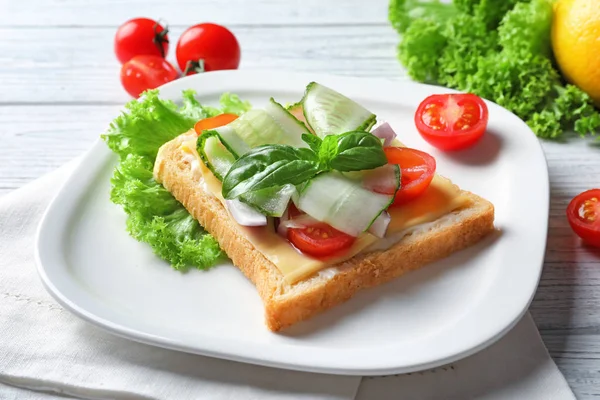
x=86, y=13
x=38, y=139
x=61, y=89
x=64, y=70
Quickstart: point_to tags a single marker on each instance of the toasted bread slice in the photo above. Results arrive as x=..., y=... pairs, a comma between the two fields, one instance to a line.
x=287, y=304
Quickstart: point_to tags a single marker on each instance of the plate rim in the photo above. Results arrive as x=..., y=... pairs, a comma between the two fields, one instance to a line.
x=95, y=154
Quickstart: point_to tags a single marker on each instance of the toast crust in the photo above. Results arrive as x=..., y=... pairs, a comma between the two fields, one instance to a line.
x=287, y=304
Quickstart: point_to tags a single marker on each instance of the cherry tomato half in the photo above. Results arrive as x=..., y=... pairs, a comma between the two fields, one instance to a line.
x=583, y=214
x=214, y=122
x=207, y=47
x=146, y=72
x=452, y=121
x=141, y=36
x=318, y=240
x=417, y=170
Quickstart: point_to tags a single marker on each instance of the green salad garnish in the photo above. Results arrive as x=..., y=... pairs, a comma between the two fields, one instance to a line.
x=273, y=166
x=154, y=216
x=497, y=49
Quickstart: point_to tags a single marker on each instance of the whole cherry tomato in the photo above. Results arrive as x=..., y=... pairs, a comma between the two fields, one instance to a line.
x=207, y=47
x=141, y=36
x=146, y=72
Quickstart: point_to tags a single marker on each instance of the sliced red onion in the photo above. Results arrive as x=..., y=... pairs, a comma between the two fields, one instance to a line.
x=301, y=221
x=384, y=131
x=244, y=214
x=281, y=228
x=380, y=225
x=381, y=180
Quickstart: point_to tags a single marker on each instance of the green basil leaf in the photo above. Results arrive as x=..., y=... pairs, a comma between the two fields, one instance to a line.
x=313, y=141
x=357, y=151
x=269, y=166
x=328, y=150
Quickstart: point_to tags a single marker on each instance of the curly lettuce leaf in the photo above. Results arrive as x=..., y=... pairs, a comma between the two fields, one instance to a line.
x=154, y=216
x=230, y=103
x=145, y=126
x=490, y=12
x=522, y=85
x=420, y=50
x=402, y=13
x=191, y=108
x=526, y=29
x=572, y=108
x=468, y=41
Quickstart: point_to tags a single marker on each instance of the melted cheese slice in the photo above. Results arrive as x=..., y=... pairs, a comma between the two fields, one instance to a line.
x=440, y=198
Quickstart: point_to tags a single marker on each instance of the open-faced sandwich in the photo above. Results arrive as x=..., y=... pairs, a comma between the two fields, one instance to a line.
x=313, y=204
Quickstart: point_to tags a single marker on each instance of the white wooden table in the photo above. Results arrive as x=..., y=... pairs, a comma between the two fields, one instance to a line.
x=60, y=89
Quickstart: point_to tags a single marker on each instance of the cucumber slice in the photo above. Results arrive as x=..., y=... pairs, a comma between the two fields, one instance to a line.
x=343, y=203
x=231, y=139
x=295, y=107
x=271, y=125
x=331, y=113
x=298, y=112
x=292, y=127
x=214, y=154
x=256, y=127
x=271, y=202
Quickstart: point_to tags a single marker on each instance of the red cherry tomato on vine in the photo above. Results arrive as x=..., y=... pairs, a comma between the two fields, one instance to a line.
x=146, y=72
x=141, y=36
x=583, y=214
x=452, y=121
x=207, y=47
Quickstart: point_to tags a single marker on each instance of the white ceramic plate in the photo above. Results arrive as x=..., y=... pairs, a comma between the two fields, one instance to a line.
x=430, y=317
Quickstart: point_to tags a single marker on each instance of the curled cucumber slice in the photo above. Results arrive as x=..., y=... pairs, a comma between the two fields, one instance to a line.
x=331, y=113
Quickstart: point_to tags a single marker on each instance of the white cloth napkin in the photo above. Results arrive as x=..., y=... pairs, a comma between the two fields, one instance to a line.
x=46, y=349
x=516, y=367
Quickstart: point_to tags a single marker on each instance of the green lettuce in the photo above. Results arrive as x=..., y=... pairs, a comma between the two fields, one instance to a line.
x=497, y=49
x=154, y=216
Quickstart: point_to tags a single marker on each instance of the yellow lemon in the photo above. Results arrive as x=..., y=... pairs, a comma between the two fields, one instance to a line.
x=576, y=43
